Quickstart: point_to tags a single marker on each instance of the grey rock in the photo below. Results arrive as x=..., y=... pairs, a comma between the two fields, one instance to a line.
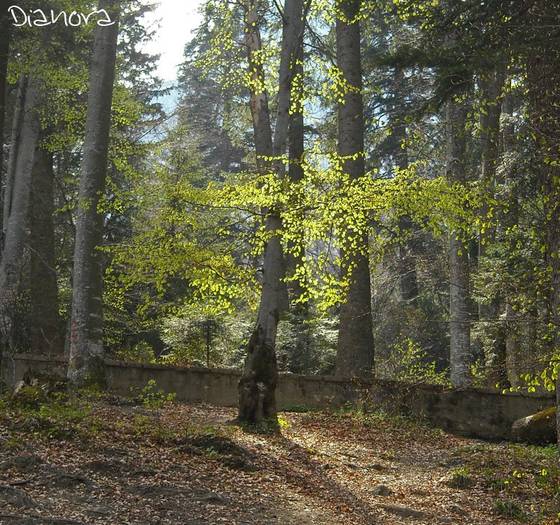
x=381, y=490
x=16, y=497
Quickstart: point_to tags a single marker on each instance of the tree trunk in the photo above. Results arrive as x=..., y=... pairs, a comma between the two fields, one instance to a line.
x=4, y=53
x=355, y=352
x=16, y=231
x=488, y=313
x=257, y=386
x=300, y=361
x=45, y=327
x=86, y=330
x=543, y=82
x=512, y=320
x=15, y=138
x=460, y=357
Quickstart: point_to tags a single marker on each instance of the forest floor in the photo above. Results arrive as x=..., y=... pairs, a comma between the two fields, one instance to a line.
x=110, y=461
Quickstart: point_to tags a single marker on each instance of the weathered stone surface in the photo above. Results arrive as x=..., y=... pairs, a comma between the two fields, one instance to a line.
x=486, y=414
x=537, y=429
x=16, y=497
x=404, y=512
x=381, y=490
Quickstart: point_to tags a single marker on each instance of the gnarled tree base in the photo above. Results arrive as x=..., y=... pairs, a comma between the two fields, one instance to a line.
x=257, y=386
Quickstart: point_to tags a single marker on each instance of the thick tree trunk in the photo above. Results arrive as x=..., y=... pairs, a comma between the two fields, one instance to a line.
x=86, y=330
x=460, y=357
x=355, y=351
x=489, y=313
x=257, y=386
x=16, y=231
x=511, y=219
x=4, y=53
x=15, y=139
x=45, y=327
x=543, y=80
x=406, y=258
x=300, y=360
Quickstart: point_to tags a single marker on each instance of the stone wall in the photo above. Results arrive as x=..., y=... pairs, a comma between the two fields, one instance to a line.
x=480, y=413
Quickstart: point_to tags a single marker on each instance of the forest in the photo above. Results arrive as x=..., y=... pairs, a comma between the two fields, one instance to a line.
x=358, y=191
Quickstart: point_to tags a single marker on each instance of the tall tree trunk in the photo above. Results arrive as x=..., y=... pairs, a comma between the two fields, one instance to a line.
x=301, y=358
x=355, y=351
x=86, y=330
x=4, y=53
x=16, y=231
x=257, y=386
x=406, y=259
x=460, y=356
x=488, y=313
x=15, y=139
x=45, y=327
x=511, y=219
x=543, y=82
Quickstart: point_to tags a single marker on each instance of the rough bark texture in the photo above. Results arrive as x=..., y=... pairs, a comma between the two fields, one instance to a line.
x=460, y=356
x=86, y=330
x=355, y=351
x=45, y=327
x=543, y=79
x=15, y=138
x=301, y=358
x=406, y=259
x=489, y=313
x=4, y=52
x=16, y=231
x=257, y=386
x=512, y=320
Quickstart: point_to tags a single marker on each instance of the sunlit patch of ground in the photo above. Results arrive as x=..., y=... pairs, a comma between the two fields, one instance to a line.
x=185, y=464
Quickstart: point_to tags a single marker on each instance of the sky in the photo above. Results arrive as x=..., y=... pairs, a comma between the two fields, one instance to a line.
x=177, y=19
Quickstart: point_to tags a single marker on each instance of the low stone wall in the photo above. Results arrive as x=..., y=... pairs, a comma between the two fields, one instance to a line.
x=480, y=413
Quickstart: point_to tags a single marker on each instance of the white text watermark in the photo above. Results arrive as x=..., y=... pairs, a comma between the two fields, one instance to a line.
x=41, y=18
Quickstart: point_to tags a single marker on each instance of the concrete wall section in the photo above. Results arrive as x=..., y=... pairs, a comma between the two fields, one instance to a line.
x=479, y=413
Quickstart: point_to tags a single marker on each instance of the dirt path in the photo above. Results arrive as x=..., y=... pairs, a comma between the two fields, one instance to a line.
x=186, y=465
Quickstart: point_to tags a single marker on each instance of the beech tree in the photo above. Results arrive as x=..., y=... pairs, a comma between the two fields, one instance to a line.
x=86, y=326
x=460, y=305
x=4, y=54
x=16, y=229
x=257, y=386
x=355, y=348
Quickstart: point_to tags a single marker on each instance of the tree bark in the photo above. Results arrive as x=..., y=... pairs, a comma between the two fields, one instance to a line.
x=460, y=357
x=543, y=83
x=355, y=351
x=512, y=320
x=45, y=327
x=85, y=366
x=257, y=386
x=488, y=313
x=406, y=259
x=4, y=53
x=16, y=231
x=15, y=137
x=300, y=360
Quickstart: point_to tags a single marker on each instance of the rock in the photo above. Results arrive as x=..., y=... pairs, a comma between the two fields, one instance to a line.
x=100, y=510
x=67, y=480
x=377, y=466
x=16, y=497
x=21, y=463
x=155, y=491
x=381, y=490
x=536, y=429
x=212, y=497
x=404, y=512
